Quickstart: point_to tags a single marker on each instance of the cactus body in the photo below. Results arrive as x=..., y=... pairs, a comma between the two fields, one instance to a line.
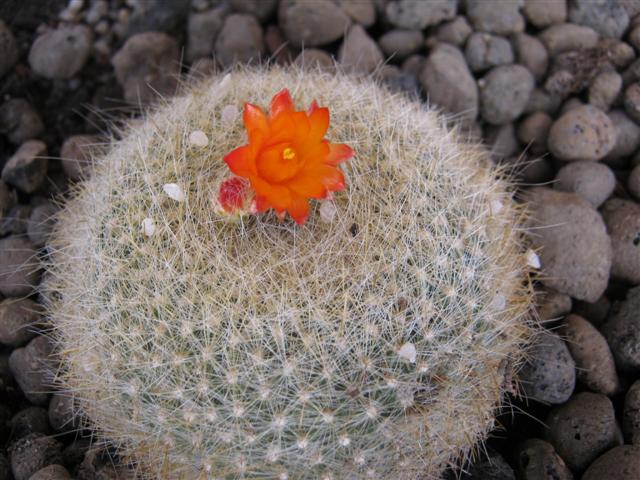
x=370, y=343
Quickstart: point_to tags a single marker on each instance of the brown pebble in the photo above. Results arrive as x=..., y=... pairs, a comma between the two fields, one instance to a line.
x=622, y=218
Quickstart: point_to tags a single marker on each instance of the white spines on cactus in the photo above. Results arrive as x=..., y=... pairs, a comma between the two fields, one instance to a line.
x=372, y=342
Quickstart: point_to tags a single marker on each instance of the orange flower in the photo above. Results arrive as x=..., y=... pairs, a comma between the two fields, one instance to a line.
x=287, y=160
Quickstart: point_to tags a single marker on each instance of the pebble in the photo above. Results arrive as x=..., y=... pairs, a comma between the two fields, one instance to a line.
x=8, y=198
x=622, y=218
x=202, y=68
x=239, y=41
x=30, y=367
x=41, y=223
x=52, y=472
x=362, y=12
x=202, y=30
x=608, y=17
x=549, y=375
x=448, y=82
x=19, y=121
x=8, y=49
x=490, y=466
x=495, y=16
x=19, y=319
x=622, y=331
x=582, y=429
x=631, y=101
x=567, y=36
x=312, y=24
x=419, y=15
x=146, y=66
x=542, y=13
x=16, y=220
x=551, y=305
x=33, y=453
x=631, y=414
x=313, y=58
x=632, y=73
x=27, y=168
x=542, y=101
x=157, y=16
x=534, y=130
x=596, y=312
x=504, y=93
x=619, y=53
x=61, y=53
x=454, y=32
x=634, y=38
x=484, y=51
x=559, y=220
x=29, y=420
x=582, y=133
x=627, y=138
x=399, y=44
x=593, y=181
x=537, y=460
x=359, y=53
x=619, y=463
x=61, y=413
x=18, y=266
x=398, y=81
x=261, y=9
x=502, y=141
x=595, y=366
x=76, y=155
x=604, y=89
x=633, y=182
x=277, y=46
x=532, y=54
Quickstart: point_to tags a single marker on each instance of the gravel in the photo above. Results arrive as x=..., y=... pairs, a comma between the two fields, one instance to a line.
x=31, y=367
x=504, y=93
x=19, y=319
x=61, y=53
x=591, y=180
x=620, y=463
x=537, y=460
x=19, y=267
x=622, y=218
x=400, y=44
x=312, y=24
x=495, y=16
x=32, y=453
x=359, y=53
x=19, y=121
x=240, y=40
x=543, y=13
x=202, y=30
x=622, y=331
x=565, y=37
x=419, y=15
x=27, y=168
x=631, y=414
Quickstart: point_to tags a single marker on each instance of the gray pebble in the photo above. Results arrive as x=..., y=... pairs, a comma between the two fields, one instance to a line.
x=312, y=24
x=61, y=53
x=448, y=83
x=595, y=366
x=631, y=101
x=542, y=13
x=19, y=121
x=362, y=12
x=551, y=306
x=490, y=466
x=33, y=453
x=401, y=43
x=537, y=460
x=504, y=93
x=484, y=51
x=596, y=312
x=495, y=16
x=622, y=331
x=627, y=138
x=262, y=9
x=19, y=319
x=240, y=40
x=146, y=66
x=619, y=463
x=157, y=16
x=534, y=130
x=582, y=429
x=313, y=58
x=542, y=101
x=567, y=36
x=454, y=32
x=532, y=54
x=549, y=375
x=591, y=180
x=633, y=182
x=30, y=420
x=604, y=89
x=16, y=220
x=202, y=30
x=62, y=415
x=359, y=53
x=8, y=198
x=502, y=141
x=8, y=49
x=31, y=368
x=27, y=168
x=631, y=414
x=622, y=218
x=397, y=80
x=76, y=153
x=51, y=472
x=41, y=223
x=582, y=133
x=574, y=248
x=619, y=53
x=19, y=266
x=632, y=73
x=634, y=37
x=607, y=17
x=419, y=15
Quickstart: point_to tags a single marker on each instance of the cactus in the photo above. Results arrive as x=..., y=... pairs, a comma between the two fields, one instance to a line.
x=372, y=342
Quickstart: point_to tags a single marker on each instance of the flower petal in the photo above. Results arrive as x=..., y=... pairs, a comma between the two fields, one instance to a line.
x=240, y=161
x=299, y=209
x=308, y=184
x=319, y=121
x=276, y=196
x=312, y=108
x=331, y=177
x=255, y=121
x=338, y=152
x=281, y=103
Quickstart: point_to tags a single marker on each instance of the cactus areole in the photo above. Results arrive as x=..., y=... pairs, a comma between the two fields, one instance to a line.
x=216, y=319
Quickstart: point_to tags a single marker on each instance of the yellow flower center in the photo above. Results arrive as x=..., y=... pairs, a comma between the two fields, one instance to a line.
x=288, y=154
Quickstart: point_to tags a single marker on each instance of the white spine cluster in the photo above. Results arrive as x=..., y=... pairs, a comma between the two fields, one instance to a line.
x=370, y=343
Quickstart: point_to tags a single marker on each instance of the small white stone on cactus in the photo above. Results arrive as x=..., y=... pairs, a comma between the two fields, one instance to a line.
x=408, y=352
x=533, y=260
x=148, y=226
x=174, y=191
x=198, y=138
x=327, y=211
x=229, y=114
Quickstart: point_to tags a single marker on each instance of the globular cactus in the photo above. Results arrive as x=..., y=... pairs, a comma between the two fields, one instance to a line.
x=372, y=342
